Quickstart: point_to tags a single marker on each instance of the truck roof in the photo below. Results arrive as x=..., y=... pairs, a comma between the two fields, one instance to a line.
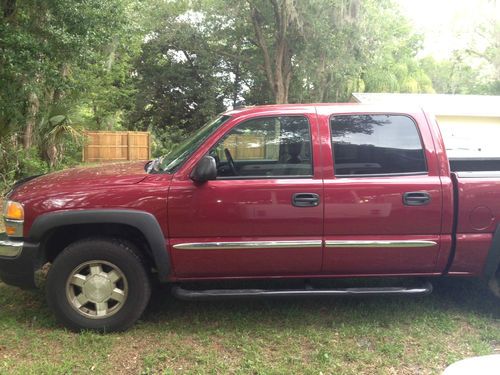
x=323, y=108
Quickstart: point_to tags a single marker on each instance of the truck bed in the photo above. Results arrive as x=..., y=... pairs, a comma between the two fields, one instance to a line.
x=474, y=164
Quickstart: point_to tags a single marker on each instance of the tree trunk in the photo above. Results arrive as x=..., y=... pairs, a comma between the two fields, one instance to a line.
x=278, y=67
x=97, y=118
x=9, y=8
x=256, y=17
x=32, y=112
x=236, y=85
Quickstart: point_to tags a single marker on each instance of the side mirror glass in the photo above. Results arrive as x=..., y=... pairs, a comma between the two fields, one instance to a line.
x=205, y=170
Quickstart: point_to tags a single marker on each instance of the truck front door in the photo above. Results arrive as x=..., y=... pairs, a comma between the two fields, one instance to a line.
x=263, y=215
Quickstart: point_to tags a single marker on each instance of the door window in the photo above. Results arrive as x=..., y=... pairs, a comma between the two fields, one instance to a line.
x=374, y=145
x=265, y=147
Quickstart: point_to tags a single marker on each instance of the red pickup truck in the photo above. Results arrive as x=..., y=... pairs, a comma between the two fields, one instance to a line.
x=301, y=192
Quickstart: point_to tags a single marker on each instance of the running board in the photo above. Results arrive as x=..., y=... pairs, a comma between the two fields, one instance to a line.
x=190, y=295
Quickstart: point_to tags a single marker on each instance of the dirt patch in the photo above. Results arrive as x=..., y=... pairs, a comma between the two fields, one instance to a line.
x=125, y=357
x=16, y=355
x=167, y=352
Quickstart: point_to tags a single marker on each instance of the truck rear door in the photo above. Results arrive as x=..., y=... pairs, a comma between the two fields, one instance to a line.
x=383, y=195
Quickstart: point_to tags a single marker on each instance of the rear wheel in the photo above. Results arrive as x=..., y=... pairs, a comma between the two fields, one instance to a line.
x=99, y=284
x=494, y=283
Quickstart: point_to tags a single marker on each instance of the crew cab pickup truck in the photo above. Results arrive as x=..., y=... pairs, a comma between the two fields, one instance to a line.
x=298, y=192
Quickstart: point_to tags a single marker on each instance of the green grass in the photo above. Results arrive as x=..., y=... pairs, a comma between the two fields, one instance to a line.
x=305, y=336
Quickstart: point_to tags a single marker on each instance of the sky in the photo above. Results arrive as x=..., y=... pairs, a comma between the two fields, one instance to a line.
x=449, y=24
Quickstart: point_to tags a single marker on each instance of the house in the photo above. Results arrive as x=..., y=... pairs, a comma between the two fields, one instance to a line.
x=470, y=123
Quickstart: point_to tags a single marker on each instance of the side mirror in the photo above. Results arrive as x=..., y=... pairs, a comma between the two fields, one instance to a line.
x=205, y=170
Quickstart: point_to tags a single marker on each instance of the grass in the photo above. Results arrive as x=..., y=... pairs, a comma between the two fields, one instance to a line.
x=304, y=336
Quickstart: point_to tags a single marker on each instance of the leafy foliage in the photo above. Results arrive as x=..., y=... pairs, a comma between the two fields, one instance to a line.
x=57, y=59
x=178, y=80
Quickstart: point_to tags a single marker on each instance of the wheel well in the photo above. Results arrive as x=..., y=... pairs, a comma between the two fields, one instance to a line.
x=59, y=238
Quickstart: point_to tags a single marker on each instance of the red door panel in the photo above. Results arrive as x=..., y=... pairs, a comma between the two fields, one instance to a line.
x=245, y=211
x=367, y=209
x=363, y=206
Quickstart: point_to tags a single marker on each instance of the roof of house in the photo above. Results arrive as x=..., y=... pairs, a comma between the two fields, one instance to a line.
x=439, y=104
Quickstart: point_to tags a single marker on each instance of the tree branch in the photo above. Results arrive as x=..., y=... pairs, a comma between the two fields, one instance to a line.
x=479, y=54
x=193, y=67
x=239, y=58
x=262, y=43
x=277, y=17
x=9, y=8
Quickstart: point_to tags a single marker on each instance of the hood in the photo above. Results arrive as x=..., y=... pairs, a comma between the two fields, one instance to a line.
x=86, y=177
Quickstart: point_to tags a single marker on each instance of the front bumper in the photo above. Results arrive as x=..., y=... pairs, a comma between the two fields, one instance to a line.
x=18, y=262
x=9, y=248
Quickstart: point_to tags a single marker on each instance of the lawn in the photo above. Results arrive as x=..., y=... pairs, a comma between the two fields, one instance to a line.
x=308, y=336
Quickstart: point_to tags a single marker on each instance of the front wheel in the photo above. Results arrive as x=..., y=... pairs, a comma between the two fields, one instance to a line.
x=98, y=284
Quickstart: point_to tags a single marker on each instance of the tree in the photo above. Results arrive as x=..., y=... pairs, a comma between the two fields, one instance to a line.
x=329, y=66
x=45, y=46
x=178, y=79
x=469, y=71
x=278, y=32
x=490, y=56
x=316, y=51
x=391, y=48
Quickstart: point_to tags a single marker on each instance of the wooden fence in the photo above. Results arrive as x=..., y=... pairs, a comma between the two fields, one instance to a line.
x=104, y=146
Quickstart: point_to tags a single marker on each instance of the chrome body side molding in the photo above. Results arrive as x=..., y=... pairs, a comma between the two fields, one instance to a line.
x=236, y=245
x=248, y=245
x=377, y=243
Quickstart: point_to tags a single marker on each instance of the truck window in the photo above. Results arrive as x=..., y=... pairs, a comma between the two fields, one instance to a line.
x=173, y=160
x=374, y=145
x=265, y=147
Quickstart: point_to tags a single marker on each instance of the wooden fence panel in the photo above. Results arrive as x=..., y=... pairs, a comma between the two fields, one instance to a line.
x=102, y=146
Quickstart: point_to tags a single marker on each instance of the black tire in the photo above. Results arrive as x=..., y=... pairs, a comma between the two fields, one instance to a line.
x=126, y=259
x=494, y=283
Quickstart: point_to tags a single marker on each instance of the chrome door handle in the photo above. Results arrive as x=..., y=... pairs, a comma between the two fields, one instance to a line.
x=305, y=200
x=416, y=198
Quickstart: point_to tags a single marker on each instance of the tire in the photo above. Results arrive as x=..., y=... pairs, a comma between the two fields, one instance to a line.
x=494, y=283
x=98, y=284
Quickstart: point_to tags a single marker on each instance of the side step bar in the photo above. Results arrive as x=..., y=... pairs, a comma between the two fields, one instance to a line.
x=190, y=295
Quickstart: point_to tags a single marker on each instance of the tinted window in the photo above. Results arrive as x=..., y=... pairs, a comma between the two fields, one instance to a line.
x=265, y=147
x=376, y=145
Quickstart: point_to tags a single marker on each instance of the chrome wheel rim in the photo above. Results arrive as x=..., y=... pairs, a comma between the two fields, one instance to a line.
x=97, y=289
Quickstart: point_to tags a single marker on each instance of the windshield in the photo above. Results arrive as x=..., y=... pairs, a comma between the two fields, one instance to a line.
x=174, y=159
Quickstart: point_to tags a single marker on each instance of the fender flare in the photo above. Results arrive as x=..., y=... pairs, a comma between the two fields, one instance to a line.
x=143, y=221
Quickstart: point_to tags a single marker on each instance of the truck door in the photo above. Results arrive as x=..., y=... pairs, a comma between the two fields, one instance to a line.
x=263, y=215
x=383, y=199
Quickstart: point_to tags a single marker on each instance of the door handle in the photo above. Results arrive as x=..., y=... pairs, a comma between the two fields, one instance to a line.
x=305, y=200
x=416, y=198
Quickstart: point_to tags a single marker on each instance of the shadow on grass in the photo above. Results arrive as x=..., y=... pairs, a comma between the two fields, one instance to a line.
x=451, y=297
x=454, y=298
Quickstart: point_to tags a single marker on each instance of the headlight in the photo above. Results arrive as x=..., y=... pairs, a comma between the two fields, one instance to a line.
x=14, y=219
x=14, y=211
